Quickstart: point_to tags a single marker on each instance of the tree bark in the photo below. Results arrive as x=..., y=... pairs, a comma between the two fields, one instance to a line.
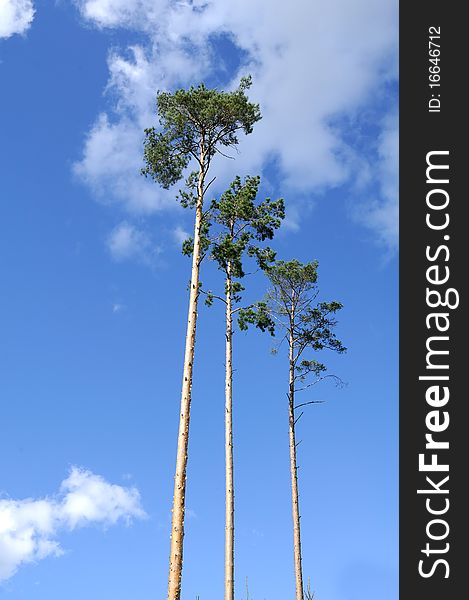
x=178, y=511
x=293, y=466
x=229, y=478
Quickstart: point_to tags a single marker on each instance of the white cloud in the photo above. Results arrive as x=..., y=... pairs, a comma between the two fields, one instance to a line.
x=127, y=242
x=16, y=16
x=311, y=64
x=112, y=154
x=180, y=235
x=382, y=214
x=120, y=13
x=29, y=528
x=111, y=167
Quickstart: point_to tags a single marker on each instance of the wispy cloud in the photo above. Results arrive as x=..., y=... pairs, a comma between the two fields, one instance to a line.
x=29, y=528
x=191, y=514
x=179, y=235
x=310, y=65
x=381, y=213
x=16, y=16
x=121, y=13
x=118, y=308
x=128, y=242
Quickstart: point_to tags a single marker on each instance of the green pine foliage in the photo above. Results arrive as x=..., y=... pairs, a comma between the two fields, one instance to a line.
x=192, y=119
x=234, y=229
x=291, y=305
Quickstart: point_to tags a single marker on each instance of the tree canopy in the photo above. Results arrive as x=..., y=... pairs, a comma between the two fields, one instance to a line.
x=291, y=304
x=195, y=123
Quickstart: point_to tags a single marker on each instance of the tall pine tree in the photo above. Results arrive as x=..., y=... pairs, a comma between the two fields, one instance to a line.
x=194, y=125
x=234, y=229
x=307, y=326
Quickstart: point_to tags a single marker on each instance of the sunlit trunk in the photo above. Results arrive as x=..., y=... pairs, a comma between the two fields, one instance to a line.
x=178, y=511
x=294, y=469
x=229, y=483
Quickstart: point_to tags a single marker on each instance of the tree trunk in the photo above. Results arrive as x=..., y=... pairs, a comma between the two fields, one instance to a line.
x=294, y=471
x=178, y=511
x=229, y=483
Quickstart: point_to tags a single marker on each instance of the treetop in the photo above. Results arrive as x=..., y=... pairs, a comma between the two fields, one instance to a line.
x=194, y=124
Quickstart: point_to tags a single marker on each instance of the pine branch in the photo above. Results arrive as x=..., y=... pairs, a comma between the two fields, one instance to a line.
x=337, y=379
x=306, y=403
x=213, y=295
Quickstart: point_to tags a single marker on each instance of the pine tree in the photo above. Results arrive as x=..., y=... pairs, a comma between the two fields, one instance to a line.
x=306, y=325
x=234, y=228
x=194, y=125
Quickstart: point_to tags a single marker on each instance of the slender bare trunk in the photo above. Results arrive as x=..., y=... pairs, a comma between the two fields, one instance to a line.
x=229, y=483
x=178, y=511
x=294, y=470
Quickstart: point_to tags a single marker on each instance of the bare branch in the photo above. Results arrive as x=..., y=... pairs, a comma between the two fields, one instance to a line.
x=252, y=272
x=208, y=185
x=306, y=403
x=338, y=381
x=223, y=154
x=298, y=418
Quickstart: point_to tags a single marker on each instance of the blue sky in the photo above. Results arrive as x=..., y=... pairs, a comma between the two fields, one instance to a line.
x=93, y=301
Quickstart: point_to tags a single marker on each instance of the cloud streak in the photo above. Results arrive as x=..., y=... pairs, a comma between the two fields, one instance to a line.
x=29, y=528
